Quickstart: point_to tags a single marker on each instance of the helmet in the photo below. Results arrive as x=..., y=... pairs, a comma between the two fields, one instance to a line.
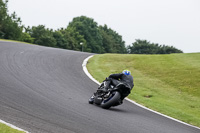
x=126, y=72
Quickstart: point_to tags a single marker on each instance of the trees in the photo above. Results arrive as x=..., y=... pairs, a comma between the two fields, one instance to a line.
x=10, y=25
x=98, y=39
x=145, y=47
x=74, y=39
x=95, y=39
x=25, y=37
x=87, y=28
x=43, y=36
x=61, y=41
x=112, y=41
x=3, y=16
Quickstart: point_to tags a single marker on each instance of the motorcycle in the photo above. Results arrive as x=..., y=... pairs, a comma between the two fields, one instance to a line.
x=114, y=96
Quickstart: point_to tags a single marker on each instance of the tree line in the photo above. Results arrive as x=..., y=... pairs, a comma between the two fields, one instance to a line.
x=81, y=30
x=146, y=47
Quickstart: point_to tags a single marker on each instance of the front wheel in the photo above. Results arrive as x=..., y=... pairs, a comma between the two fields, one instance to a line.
x=113, y=99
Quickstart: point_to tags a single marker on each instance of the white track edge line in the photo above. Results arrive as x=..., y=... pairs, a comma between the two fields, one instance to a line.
x=12, y=126
x=90, y=76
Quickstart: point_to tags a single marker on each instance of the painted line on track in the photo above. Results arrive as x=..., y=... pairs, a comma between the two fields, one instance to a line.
x=90, y=76
x=12, y=126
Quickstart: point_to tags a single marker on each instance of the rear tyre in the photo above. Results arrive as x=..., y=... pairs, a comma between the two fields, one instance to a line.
x=112, y=100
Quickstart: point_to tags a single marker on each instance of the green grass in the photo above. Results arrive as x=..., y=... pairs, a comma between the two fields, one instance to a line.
x=169, y=84
x=6, y=129
x=15, y=41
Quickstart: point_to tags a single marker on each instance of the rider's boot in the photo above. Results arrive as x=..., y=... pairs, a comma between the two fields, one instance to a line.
x=105, y=88
x=91, y=100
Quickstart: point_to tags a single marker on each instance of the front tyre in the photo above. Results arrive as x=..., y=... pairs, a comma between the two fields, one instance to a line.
x=113, y=99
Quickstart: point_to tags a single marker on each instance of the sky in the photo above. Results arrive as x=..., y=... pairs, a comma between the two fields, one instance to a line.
x=166, y=22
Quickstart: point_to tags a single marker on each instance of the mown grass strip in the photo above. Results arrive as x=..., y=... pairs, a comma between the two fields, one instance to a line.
x=166, y=83
x=6, y=40
x=6, y=129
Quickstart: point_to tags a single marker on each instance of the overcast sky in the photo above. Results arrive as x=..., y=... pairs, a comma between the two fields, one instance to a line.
x=170, y=22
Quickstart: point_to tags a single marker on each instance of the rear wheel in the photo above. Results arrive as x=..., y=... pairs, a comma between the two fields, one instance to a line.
x=113, y=99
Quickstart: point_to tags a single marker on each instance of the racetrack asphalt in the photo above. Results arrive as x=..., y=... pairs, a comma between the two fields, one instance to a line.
x=45, y=90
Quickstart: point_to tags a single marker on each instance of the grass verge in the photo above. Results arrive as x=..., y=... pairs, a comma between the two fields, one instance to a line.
x=6, y=129
x=15, y=41
x=166, y=83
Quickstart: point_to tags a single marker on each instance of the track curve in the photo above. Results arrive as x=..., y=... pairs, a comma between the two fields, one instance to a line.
x=44, y=90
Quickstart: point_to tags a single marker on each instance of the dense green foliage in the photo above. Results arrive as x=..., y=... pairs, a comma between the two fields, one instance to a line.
x=87, y=28
x=82, y=34
x=165, y=83
x=43, y=36
x=145, y=47
x=112, y=41
x=10, y=25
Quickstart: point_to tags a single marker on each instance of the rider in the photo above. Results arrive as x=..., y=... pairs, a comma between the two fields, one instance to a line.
x=124, y=77
x=114, y=79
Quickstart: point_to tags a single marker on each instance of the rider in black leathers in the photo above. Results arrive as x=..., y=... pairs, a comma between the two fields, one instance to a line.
x=114, y=79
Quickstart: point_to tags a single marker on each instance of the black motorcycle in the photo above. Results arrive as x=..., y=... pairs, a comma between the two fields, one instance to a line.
x=114, y=96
